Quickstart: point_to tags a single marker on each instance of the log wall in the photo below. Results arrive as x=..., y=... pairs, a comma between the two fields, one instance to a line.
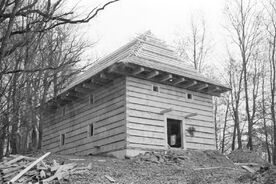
x=107, y=114
x=146, y=127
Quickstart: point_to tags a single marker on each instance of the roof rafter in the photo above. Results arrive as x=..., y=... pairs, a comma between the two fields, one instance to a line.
x=166, y=77
x=152, y=74
x=180, y=80
x=138, y=70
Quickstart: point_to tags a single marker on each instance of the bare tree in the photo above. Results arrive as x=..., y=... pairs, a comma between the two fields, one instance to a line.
x=194, y=47
x=271, y=35
x=245, y=32
x=38, y=57
x=225, y=126
x=235, y=81
x=45, y=15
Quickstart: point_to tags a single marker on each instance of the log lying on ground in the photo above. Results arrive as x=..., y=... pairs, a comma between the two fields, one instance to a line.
x=28, y=168
x=23, y=169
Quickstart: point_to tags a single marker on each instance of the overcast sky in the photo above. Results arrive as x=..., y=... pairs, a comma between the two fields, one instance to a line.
x=122, y=21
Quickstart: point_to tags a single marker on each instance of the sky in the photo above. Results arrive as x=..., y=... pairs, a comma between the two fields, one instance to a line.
x=122, y=21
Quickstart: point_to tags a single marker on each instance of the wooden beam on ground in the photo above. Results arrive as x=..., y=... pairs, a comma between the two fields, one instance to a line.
x=138, y=70
x=248, y=169
x=180, y=80
x=152, y=74
x=191, y=84
x=166, y=77
x=209, y=168
x=15, y=160
x=14, y=179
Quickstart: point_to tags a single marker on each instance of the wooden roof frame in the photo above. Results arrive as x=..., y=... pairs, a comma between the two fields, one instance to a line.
x=127, y=69
x=139, y=59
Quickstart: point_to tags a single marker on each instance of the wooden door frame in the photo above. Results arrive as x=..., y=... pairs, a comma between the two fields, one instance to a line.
x=182, y=130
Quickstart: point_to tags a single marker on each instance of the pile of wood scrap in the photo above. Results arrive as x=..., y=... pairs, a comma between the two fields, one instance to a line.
x=23, y=169
x=160, y=157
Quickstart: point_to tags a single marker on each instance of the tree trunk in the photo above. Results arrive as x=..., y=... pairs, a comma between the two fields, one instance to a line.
x=234, y=136
x=224, y=128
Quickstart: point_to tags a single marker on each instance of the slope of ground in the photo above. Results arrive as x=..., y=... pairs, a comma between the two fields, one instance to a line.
x=245, y=156
x=185, y=167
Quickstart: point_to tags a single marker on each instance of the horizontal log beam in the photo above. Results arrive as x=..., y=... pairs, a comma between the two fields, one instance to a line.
x=166, y=77
x=166, y=111
x=180, y=80
x=214, y=90
x=190, y=115
x=191, y=84
x=152, y=74
x=138, y=70
x=201, y=87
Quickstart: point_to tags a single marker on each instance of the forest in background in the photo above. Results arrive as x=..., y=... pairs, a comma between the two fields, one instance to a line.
x=244, y=117
x=40, y=54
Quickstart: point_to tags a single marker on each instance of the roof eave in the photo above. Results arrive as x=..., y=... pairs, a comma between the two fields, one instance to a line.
x=168, y=78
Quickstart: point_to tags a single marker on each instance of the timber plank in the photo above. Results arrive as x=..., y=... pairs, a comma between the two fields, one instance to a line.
x=131, y=145
x=174, y=105
x=113, y=93
x=85, y=120
x=133, y=132
x=146, y=140
x=100, y=118
x=175, y=91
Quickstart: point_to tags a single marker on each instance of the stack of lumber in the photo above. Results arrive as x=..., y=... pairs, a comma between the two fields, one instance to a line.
x=23, y=169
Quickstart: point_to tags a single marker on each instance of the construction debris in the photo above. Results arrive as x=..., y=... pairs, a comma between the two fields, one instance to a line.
x=206, y=158
x=23, y=169
x=110, y=178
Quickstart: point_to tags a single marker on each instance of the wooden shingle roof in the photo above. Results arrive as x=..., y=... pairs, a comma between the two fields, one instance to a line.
x=150, y=58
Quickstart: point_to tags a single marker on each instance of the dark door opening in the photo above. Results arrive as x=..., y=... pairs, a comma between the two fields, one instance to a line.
x=174, y=133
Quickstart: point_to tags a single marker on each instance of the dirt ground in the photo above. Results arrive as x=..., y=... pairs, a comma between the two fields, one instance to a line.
x=185, y=167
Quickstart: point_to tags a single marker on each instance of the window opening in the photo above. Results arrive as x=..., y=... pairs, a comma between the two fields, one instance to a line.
x=62, y=139
x=155, y=88
x=91, y=99
x=189, y=96
x=91, y=129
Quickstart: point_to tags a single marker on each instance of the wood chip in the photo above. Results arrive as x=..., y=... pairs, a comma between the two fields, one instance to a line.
x=248, y=169
x=110, y=178
x=76, y=159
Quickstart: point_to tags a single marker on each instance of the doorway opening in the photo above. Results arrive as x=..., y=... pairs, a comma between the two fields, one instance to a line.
x=174, y=133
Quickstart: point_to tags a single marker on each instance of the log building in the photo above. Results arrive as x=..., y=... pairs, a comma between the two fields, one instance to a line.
x=140, y=97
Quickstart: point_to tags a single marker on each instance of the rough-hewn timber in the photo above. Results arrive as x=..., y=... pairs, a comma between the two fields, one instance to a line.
x=107, y=114
x=146, y=126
